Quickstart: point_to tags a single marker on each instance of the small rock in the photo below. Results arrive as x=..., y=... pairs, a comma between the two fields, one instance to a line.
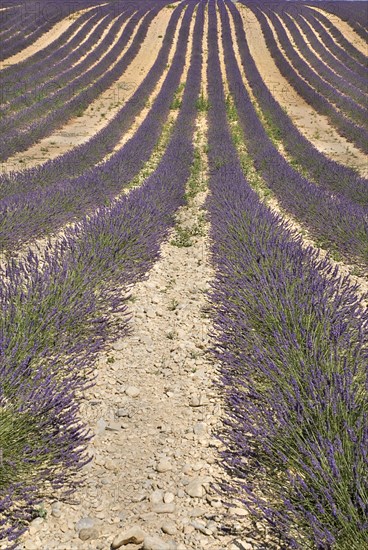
x=139, y=497
x=164, y=508
x=113, y=427
x=195, y=489
x=88, y=534
x=169, y=527
x=201, y=528
x=56, y=509
x=156, y=543
x=163, y=466
x=119, y=345
x=35, y=525
x=85, y=523
x=197, y=512
x=200, y=429
x=157, y=497
x=134, y=535
x=132, y=391
x=169, y=497
x=122, y=413
x=100, y=426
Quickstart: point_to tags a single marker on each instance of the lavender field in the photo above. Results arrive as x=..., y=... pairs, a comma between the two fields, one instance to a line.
x=184, y=263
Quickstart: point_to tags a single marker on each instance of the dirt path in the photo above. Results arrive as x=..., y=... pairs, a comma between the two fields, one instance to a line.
x=345, y=29
x=103, y=109
x=313, y=126
x=44, y=40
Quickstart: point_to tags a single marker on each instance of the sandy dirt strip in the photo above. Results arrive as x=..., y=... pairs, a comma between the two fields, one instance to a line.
x=312, y=125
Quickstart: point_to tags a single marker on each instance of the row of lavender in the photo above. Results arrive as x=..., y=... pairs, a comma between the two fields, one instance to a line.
x=336, y=41
x=318, y=74
x=58, y=302
x=33, y=83
x=25, y=22
x=328, y=174
x=82, y=157
x=291, y=341
x=328, y=73
x=332, y=220
x=311, y=92
x=46, y=58
x=357, y=17
x=40, y=209
x=339, y=59
x=40, y=119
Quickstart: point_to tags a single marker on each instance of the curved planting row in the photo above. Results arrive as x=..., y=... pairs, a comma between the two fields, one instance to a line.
x=290, y=341
x=337, y=43
x=80, y=279
x=346, y=105
x=26, y=91
x=327, y=72
x=323, y=44
x=357, y=18
x=92, y=70
x=332, y=220
x=35, y=19
x=51, y=54
x=345, y=127
x=37, y=213
x=80, y=159
x=327, y=173
x=17, y=141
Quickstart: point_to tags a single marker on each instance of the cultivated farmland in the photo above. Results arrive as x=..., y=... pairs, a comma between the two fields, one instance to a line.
x=184, y=262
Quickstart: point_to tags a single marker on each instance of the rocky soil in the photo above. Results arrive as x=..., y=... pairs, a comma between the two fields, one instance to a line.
x=153, y=483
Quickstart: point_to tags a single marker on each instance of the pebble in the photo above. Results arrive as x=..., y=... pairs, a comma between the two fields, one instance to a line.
x=169, y=497
x=134, y=535
x=156, y=543
x=195, y=489
x=122, y=413
x=132, y=391
x=169, y=527
x=200, y=429
x=36, y=525
x=201, y=528
x=157, y=497
x=85, y=523
x=88, y=534
x=164, y=508
x=163, y=466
